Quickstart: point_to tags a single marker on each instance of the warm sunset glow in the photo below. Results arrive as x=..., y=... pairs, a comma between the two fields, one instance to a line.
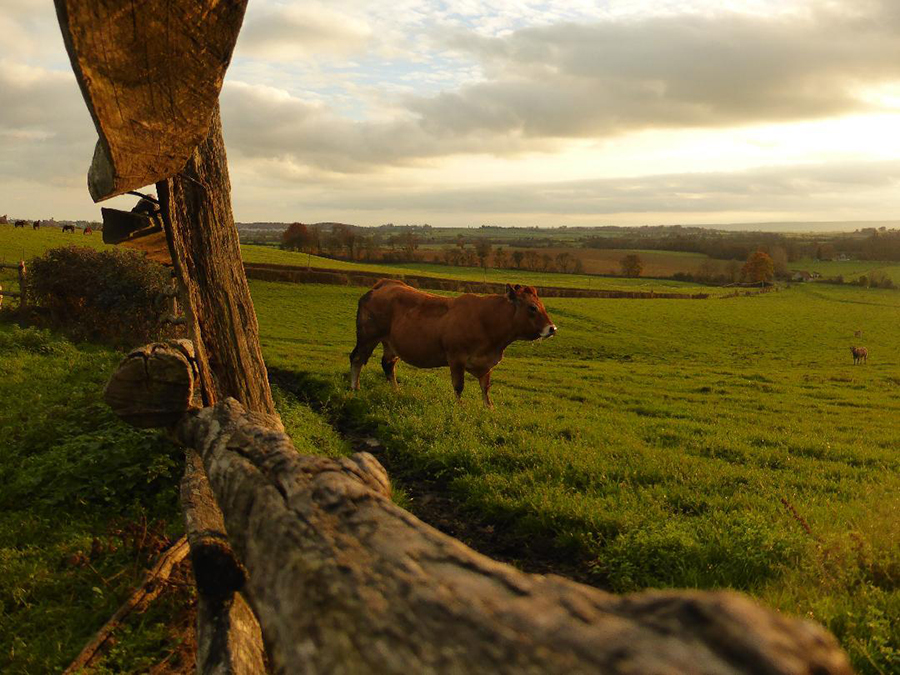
x=531, y=113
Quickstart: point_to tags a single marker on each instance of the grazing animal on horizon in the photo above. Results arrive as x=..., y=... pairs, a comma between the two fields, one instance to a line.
x=68, y=228
x=36, y=225
x=19, y=223
x=468, y=333
x=87, y=230
x=860, y=354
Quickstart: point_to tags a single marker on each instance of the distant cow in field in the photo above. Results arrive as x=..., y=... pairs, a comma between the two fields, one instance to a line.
x=468, y=333
x=36, y=225
x=68, y=228
x=87, y=230
x=860, y=354
x=19, y=223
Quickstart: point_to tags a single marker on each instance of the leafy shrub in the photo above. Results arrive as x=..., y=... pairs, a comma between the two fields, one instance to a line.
x=111, y=296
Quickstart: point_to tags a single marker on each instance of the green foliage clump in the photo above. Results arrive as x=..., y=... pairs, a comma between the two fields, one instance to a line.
x=86, y=503
x=113, y=296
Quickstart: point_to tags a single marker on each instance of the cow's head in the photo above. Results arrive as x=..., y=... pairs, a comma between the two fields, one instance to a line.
x=531, y=320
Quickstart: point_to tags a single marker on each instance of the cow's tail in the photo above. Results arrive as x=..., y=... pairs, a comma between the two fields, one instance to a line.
x=360, y=307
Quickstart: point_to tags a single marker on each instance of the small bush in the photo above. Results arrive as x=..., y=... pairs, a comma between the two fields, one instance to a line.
x=111, y=296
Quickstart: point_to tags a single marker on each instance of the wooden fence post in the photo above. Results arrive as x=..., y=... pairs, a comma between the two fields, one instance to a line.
x=23, y=302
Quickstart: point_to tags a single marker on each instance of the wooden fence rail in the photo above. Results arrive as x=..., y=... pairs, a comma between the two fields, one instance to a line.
x=344, y=581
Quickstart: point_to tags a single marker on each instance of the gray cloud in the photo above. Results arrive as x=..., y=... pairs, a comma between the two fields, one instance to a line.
x=286, y=33
x=262, y=122
x=588, y=80
x=46, y=130
x=761, y=190
x=595, y=80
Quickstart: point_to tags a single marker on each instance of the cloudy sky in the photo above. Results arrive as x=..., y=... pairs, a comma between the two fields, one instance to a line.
x=575, y=112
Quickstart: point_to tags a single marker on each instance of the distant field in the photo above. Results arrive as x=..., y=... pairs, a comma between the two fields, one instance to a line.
x=15, y=243
x=268, y=254
x=850, y=269
x=651, y=444
x=19, y=244
x=608, y=261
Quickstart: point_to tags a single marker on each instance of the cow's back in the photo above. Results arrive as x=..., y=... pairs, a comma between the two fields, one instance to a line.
x=393, y=299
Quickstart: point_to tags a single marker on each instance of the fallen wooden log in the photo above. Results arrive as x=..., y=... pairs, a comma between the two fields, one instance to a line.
x=343, y=580
x=145, y=593
x=228, y=635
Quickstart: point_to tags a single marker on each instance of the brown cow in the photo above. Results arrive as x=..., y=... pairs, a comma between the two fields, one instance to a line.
x=467, y=333
x=860, y=354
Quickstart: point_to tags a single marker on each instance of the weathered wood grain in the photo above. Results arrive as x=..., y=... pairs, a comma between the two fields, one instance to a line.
x=206, y=253
x=150, y=73
x=154, y=385
x=344, y=581
x=228, y=635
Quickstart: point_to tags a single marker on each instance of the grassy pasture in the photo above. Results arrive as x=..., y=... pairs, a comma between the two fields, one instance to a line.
x=268, y=254
x=849, y=269
x=660, y=443
x=85, y=503
x=650, y=444
x=19, y=244
x=608, y=261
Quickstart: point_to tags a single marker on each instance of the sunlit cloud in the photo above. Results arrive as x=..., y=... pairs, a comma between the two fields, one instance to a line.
x=573, y=110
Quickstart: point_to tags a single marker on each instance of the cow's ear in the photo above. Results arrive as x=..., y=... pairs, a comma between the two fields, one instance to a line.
x=510, y=292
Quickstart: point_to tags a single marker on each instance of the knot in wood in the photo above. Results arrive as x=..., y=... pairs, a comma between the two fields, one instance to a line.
x=154, y=385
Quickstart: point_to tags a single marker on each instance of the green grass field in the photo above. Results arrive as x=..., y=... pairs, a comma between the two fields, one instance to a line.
x=660, y=443
x=849, y=269
x=270, y=254
x=717, y=443
x=86, y=503
x=20, y=244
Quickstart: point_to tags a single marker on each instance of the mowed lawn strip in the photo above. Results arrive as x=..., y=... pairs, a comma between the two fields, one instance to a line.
x=715, y=444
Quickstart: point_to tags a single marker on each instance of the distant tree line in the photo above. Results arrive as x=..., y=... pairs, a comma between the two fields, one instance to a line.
x=347, y=242
x=864, y=244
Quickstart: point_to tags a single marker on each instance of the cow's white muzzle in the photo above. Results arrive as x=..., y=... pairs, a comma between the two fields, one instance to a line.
x=548, y=331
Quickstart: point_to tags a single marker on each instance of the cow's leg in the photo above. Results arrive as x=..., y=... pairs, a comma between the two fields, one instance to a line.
x=458, y=375
x=359, y=357
x=389, y=365
x=485, y=382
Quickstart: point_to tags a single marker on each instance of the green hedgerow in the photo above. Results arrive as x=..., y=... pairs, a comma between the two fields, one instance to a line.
x=113, y=296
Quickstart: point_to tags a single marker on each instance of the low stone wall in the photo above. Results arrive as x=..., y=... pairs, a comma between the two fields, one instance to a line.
x=300, y=275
